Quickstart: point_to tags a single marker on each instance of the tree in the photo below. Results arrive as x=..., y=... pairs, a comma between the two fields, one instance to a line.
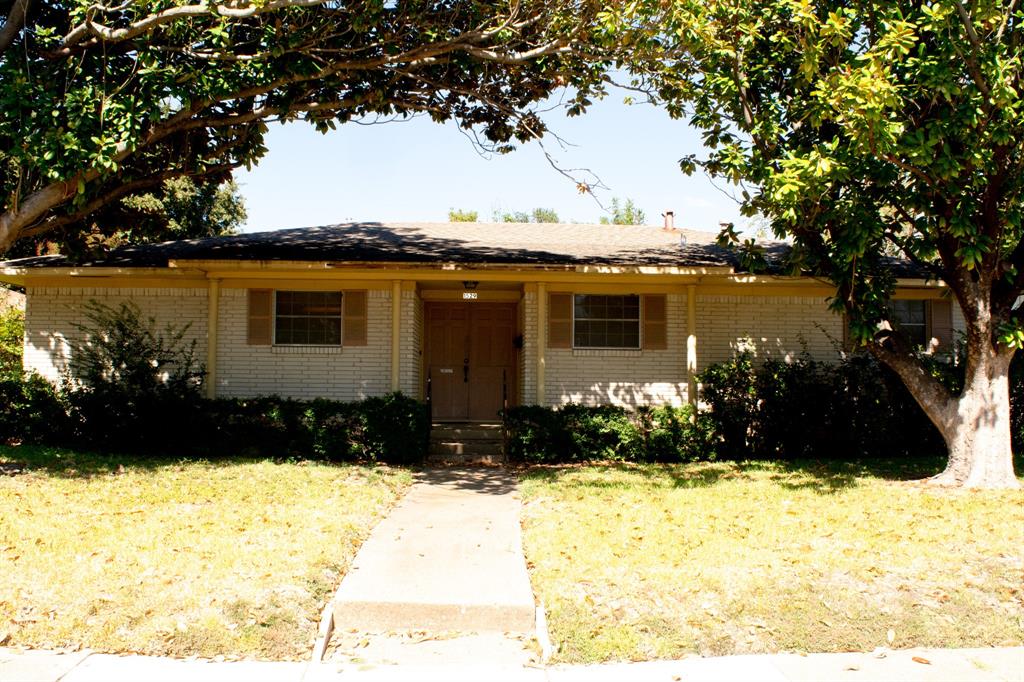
x=515, y=217
x=857, y=127
x=624, y=214
x=180, y=209
x=102, y=100
x=537, y=215
x=544, y=215
x=460, y=216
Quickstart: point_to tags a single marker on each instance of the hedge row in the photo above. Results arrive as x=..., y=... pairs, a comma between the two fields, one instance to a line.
x=393, y=428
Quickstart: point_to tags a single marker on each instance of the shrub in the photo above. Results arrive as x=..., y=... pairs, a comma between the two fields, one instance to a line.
x=12, y=333
x=133, y=386
x=574, y=433
x=31, y=410
x=853, y=409
x=394, y=428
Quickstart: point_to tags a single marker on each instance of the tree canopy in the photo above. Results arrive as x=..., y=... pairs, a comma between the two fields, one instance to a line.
x=862, y=129
x=102, y=100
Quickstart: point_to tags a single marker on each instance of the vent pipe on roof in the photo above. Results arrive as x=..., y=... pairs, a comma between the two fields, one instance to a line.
x=670, y=220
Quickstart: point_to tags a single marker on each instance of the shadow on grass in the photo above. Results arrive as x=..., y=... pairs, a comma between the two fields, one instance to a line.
x=68, y=463
x=823, y=477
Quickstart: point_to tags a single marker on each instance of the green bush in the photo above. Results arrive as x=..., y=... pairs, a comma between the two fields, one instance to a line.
x=32, y=411
x=12, y=333
x=576, y=433
x=132, y=386
x=394, y=428
x=853, y=409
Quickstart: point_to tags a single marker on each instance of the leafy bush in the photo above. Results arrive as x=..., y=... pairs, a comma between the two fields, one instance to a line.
x=12, y=333
x=853, y=409
x=392, y=428
x=131, y=385
x=31, y=410
x=574, y=433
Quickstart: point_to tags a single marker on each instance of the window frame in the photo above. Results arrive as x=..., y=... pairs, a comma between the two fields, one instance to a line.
x=341, y=318
x=924, y=325
x=639, y=323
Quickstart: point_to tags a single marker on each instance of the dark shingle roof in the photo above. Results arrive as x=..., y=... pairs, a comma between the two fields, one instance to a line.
x=499, y=243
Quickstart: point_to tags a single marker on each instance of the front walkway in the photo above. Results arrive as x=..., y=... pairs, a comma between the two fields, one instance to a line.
x=441, y=579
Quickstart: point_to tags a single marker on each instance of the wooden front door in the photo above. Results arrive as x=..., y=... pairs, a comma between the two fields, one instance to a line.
x=470, y=358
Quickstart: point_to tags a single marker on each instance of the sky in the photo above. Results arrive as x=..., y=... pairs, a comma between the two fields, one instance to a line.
x=416, y=170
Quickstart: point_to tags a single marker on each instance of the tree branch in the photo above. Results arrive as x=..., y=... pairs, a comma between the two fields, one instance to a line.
x=14, y=24
x=972, y=58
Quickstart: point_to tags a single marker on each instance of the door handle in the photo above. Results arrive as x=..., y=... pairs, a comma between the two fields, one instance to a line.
x=465, y=371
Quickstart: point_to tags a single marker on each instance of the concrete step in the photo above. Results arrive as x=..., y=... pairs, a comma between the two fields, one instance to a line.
x=472, y=447
x=453, y=432
x=465, y=460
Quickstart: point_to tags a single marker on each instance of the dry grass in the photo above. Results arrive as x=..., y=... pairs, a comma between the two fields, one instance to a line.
x=231, y=559
x=645, y=562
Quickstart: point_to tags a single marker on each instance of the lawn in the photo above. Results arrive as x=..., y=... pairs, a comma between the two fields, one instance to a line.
x=646, y=562
x=233, y=558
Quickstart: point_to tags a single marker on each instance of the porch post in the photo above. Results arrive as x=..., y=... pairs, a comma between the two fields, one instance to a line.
x=542, y=338
x=212, y=323
x=396, y=332
x=691, y=344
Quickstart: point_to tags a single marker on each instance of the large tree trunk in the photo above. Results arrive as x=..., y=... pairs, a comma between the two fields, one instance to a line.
x=976, y=424
x=978, y=433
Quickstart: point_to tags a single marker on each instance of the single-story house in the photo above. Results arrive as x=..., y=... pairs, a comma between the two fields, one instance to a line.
x=470, y=313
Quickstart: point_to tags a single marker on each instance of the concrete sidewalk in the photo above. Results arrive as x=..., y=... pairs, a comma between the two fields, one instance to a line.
x=449, y=557
x=932, y=665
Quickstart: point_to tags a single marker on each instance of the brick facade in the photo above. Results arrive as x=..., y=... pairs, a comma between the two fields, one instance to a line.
x=769, y=327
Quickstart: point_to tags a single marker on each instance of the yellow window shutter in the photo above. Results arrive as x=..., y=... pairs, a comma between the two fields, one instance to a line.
x=559, y=320
x=655, y=321
x=354, y=318
x=940, y=323
x=261, y=310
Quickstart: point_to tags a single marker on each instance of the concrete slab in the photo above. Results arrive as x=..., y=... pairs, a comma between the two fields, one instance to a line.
x=327, y=672
x=37, y=666
x=696, y=669
x=899, y=665
x=422, y=648
x=109, y=668
x=448, y=557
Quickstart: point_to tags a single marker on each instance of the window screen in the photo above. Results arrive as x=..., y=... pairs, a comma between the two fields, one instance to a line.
x=606, y=321
x=307, y=318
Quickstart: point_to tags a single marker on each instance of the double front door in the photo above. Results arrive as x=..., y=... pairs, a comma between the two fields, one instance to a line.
x=470, y=358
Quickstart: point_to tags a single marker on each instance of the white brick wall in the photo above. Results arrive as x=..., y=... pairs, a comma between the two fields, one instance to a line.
x=622, y=377
x=346, y=373
x=52, y=313
x=769, y=326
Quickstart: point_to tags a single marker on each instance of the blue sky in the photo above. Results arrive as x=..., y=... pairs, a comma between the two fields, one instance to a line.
x=417, y=170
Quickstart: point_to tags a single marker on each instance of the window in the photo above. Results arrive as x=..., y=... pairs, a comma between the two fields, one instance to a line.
x=606, y=321
x=911, y=318
x=307, y=318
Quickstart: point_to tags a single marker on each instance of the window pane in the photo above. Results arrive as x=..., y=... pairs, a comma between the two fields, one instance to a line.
x=308, y=318
x=603, y=321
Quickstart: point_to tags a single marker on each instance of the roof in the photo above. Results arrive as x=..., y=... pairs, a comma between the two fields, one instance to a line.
x=465, y=243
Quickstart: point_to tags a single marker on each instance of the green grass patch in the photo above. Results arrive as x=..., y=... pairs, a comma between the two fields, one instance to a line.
x=639, y=562
x=231, y=558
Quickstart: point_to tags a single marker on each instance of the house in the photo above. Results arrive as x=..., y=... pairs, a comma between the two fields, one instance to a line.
x=471, y=314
